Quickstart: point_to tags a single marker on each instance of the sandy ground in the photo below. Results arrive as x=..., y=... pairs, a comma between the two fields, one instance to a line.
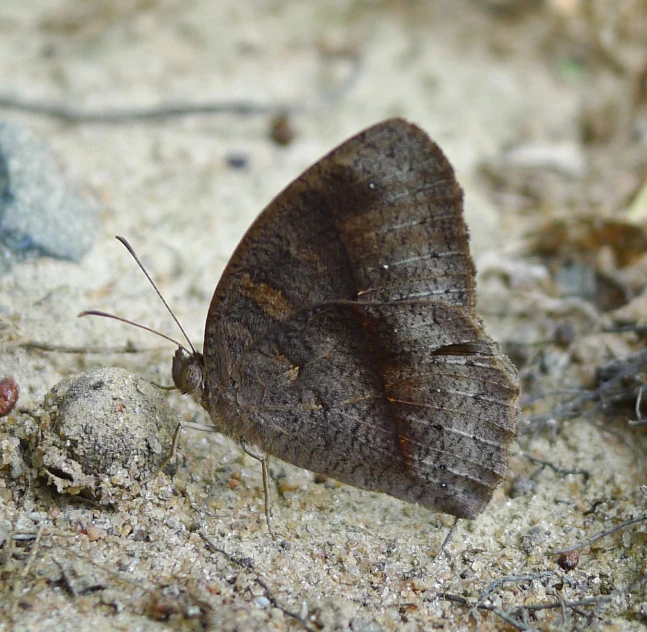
x=192, y=551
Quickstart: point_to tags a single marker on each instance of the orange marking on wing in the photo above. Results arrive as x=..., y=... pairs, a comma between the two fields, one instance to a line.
x=269, y=299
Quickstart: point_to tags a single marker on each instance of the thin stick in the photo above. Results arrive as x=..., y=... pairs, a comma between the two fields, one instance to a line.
x=249, y=566
x=490, y=588
x=556, y=468
x=601, y=535
x=45, y=346
x=71, y=114
x=66, y=578
x=34, y=551
x=639, y=418
x=16, y=589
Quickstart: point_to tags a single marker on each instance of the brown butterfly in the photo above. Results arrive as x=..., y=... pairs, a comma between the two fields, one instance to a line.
x=343, y=337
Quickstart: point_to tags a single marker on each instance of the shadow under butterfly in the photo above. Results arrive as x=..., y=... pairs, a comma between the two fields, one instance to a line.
x=343, y=336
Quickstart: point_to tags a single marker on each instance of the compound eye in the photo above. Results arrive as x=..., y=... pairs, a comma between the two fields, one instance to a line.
x=192, y=378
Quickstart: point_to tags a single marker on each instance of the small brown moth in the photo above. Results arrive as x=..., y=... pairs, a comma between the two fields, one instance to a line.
x=343, y=336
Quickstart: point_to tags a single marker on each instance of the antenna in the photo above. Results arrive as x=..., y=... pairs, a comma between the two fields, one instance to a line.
x=93, y=312
x=96, y=312
x=130, y=249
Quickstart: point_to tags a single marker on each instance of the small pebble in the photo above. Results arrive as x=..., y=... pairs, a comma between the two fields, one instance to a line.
x=534, y=537
x=281, y=130
x=237, y=160
x=569, y=560
x=564, y=334
x=95, y=533
x=521, y=486
x=9, y=392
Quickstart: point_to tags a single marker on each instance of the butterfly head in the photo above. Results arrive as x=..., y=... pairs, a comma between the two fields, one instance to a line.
x=188, y=372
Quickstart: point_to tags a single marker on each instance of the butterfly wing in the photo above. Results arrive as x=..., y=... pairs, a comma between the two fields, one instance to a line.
x=343, y=336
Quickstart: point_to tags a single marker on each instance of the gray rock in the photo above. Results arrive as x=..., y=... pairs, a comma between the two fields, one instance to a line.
x=102, y=432
x=534, y=537
x=40, y=213
x=521, y=486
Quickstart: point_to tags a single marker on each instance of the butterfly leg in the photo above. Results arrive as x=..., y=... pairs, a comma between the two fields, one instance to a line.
x=448, y=537
x=172, y=452
x=266, y=481
x=176, y=441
